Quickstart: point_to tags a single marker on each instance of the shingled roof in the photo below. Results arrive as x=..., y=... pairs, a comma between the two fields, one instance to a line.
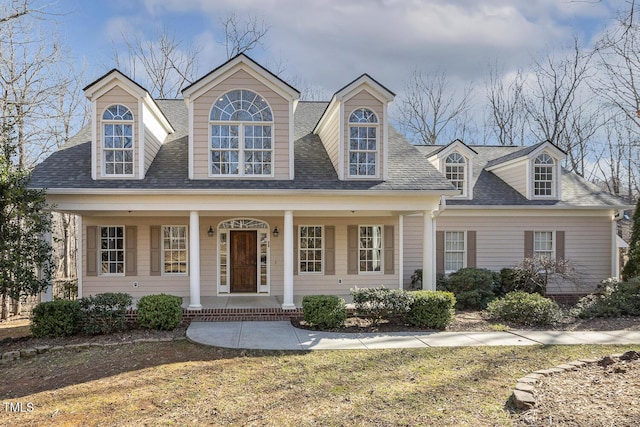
x=490, y=190
x=70, y=167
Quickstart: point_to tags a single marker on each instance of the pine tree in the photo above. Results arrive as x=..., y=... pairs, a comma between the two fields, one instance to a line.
x=632, y=267
x=25, y=267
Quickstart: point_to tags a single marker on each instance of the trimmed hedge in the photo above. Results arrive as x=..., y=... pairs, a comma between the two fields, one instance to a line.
x=525, y=309
x=104, y=313
x=161, y=311
x=57, y=318
x=324, y=311
x=617, y=299
x=473, y=287
x=381, y=303
x=432, y=309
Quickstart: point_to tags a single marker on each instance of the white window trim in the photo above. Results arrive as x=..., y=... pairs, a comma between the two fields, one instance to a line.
x=465, y=179
x=300, y=248
x=124, y=252
x=377, y=150
x=186, y=239
x=553, y=243
x=464, y=253
x=555, y=170
x=226, y=289
x=103, y=159
x=372, y=273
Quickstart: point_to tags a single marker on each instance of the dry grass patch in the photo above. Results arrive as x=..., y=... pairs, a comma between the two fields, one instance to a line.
x=181, y=383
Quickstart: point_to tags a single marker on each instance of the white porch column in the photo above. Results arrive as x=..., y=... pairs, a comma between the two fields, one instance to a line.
x=287, y=303
x=194, y=261
x=401, y=251
x=48, y=293
x=79, y=250
x=428, y=252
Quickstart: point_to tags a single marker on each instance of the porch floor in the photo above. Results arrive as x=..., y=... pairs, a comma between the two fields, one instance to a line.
x=247, y=301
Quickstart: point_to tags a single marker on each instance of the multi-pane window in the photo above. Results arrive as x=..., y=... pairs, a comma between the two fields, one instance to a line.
x=370, y=248
x=241, y=126
x=117, y=145
x=454, y=251
x=543, y=175
x=310, y=249
x=112, y=250
x=174, y=247
x=363, y=143
x=454, y=170
x=543, y=244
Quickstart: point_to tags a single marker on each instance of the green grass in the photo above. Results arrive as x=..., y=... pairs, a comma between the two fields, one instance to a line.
x=182, y=383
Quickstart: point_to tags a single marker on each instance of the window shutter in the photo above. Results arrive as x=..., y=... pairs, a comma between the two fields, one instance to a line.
x=471, y=249
x=329, y=250
x=439, y=253
x=352, y=249
x=559, y=245
x=528, y=244
x=296, y=254
x=389, y=254
x=131, y=259
x=156, y=253
x=92, y=250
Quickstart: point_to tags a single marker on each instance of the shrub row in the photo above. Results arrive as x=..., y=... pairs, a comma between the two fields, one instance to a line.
x=613, y=299
x=428, y=309
x=524, y=308
x=103, y=314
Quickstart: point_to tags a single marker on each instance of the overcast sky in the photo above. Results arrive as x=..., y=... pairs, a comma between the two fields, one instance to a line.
x=327, y=43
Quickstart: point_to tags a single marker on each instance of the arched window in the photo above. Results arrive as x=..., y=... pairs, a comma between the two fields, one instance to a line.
x=454, y=166
x=543, y=182
x=241, y=126
x=363, y=143
x=117, y=141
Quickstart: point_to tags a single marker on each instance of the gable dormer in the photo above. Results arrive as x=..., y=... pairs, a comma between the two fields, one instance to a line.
x=455, y=162
x=127, y=127
x=355, y=131
x=241, y=123
x=535, y=172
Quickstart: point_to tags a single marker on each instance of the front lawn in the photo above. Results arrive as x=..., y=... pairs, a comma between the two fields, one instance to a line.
x=181, y=383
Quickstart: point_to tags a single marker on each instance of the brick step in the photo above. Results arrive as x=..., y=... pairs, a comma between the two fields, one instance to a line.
x=232, y=314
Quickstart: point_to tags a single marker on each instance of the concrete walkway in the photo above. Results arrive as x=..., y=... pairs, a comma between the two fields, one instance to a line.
x=283, y=336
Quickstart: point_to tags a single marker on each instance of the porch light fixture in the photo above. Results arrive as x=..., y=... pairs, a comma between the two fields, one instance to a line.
x=211, y=231
x=276, y=232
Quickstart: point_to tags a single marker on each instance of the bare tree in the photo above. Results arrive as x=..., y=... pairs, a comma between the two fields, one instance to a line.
x=242, y=35
x=15, y=9
x=160, y=64
x=430, y=107
x=31, y=79
x=508, y=114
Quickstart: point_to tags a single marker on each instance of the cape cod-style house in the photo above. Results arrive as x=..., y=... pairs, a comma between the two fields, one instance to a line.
x=240, y=188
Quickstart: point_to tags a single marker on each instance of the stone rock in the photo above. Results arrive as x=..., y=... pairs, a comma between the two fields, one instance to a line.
x=11, y=355
x=42, y=348
x=523, y=399
x=28, y=352
x=606, y=361
x=524, y=387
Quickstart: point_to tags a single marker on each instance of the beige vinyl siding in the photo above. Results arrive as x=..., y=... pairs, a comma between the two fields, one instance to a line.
x=364, y=99
x=500, y=242
x=179, y=285
x=412, y=246
x=309, y=284
x=202, y=108
x=515, y=175
x=330, y=136
x=154, y=135
x=117, y=95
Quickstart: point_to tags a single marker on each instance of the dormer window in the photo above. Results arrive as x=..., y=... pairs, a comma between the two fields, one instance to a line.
x=454, y=167
x=363, y=143
x=241, y=129
x=117, y=137
x=543, y=179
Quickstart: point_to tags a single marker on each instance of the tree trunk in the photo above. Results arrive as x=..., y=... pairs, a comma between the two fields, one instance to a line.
x=4, y=313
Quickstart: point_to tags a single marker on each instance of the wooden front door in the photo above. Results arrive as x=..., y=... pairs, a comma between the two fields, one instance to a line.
x=243, y=261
